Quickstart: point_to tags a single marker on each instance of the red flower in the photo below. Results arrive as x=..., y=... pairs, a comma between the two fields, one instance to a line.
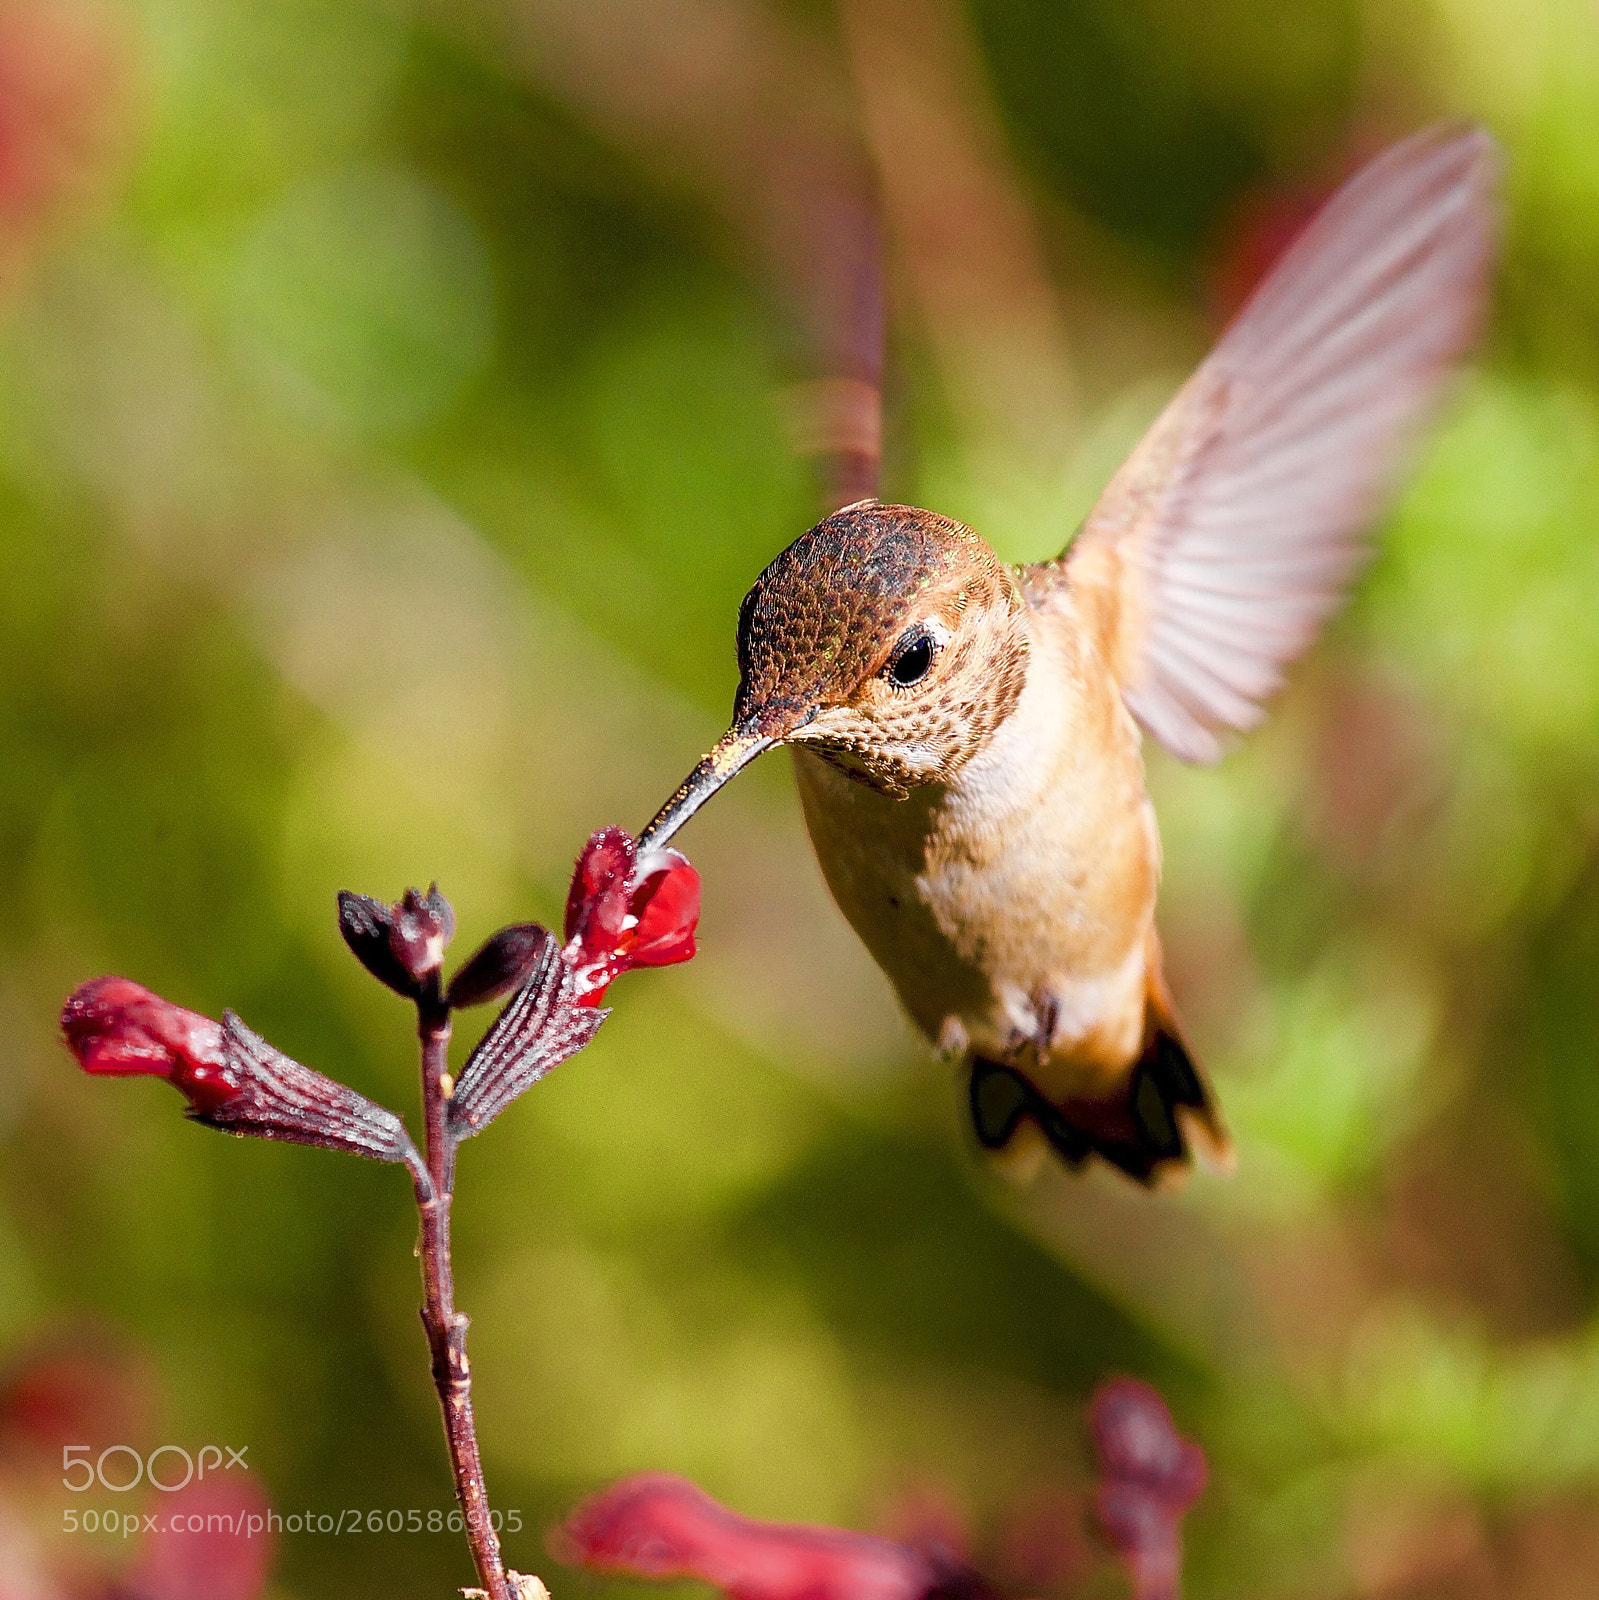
x=1254, y=235
x=79, y=1390
x=233, y=1078
x=1152, y=1476
x=63, y=95
x=115, y=1026
x=624, y=912
x=213, y=1541
x=660, y=1526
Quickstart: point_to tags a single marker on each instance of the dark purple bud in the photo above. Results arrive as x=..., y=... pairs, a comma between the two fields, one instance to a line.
x=541, y=1027
x=365, y=924
x=276, y=1098
x=420, y=927
x=504, y=963
x=1152, y=1476
x=1138, y=1441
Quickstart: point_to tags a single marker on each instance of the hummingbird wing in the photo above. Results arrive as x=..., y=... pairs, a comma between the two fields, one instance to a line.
x=1230, y=532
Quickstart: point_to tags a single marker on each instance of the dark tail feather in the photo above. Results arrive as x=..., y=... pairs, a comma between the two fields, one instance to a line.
x=1149, y=1129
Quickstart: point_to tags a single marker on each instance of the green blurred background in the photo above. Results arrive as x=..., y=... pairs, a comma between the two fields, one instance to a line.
x=392, y=413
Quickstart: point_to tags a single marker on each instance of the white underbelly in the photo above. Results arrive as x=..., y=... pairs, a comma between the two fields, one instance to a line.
x=990, y=936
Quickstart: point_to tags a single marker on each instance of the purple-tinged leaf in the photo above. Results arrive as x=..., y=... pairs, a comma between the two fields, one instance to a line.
x=277, y=1098
x=542, y=1026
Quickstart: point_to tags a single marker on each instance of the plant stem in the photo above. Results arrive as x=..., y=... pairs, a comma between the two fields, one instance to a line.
x=446, y=1327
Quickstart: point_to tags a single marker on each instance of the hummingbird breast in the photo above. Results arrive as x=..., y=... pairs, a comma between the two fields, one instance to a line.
x=1014, y=905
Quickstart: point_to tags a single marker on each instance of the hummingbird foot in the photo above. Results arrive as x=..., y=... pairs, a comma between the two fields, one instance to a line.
x=1047, y=1010
x=953, y=1039
x=1032, y=1041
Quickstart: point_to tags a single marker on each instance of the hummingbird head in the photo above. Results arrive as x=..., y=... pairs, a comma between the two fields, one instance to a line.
x=888, y=640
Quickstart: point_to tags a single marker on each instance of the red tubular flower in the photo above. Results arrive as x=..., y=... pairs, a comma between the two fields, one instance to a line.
x=665, y=909
x=233, y=1079
x=657, y=1525
x=1152, y=1477
x=115, y=1026
x=623, y=912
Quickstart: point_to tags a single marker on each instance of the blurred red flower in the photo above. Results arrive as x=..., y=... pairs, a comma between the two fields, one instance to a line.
x=210, y=1539
x=656, y=1525
x=660, y=1526
x=64, y=101
x=80, y=1388
x=212, y=1542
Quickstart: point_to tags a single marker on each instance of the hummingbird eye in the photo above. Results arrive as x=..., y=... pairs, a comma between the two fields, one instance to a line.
x=912, y=659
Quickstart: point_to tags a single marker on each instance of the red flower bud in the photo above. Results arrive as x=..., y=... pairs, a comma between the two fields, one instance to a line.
x=115, y=1026
x=421, y=926
x=596, y=903
x=660, y=1526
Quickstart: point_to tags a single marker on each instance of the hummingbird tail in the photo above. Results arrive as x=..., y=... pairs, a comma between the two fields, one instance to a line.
x=1162, y=1118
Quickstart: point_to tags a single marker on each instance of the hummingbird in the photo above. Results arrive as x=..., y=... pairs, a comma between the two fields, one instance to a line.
x=967, y=734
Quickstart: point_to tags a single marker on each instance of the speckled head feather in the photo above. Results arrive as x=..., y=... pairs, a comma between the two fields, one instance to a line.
x=818, y=633
x=825, y=614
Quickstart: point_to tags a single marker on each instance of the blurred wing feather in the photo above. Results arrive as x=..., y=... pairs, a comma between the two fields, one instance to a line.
x=1230, y=533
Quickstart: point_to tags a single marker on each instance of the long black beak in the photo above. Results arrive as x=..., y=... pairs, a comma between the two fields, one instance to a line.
x=727, y=757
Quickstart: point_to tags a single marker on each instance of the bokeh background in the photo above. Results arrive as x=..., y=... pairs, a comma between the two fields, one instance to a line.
x=394, y=405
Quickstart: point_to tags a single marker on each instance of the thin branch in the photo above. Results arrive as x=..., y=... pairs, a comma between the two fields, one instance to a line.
x=620, y=916
x=446, y=1327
